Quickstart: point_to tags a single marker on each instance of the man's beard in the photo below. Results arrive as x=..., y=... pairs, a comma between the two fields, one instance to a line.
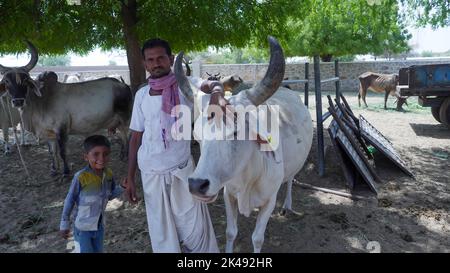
x=159, y=75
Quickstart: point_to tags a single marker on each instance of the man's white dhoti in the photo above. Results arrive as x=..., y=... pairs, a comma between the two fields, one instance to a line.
x=176, y=221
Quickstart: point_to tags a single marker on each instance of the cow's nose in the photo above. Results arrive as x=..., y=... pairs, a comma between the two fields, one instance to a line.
x=198, y=185
x=18, y=102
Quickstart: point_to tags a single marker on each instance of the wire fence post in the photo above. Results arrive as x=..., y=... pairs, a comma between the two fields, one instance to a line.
x=306, y=84
x=338, y=82
x=318, y=92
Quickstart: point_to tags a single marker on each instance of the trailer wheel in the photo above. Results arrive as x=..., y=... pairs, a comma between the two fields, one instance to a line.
x=444, y=112
x=435, y=113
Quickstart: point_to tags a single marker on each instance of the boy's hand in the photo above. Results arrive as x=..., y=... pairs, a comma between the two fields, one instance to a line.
x=130, y=191
x=65, y=233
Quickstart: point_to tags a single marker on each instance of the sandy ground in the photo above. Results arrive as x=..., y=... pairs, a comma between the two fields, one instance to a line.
x=409, y=215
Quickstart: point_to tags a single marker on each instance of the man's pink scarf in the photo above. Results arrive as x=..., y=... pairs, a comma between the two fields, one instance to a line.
x=170, y=98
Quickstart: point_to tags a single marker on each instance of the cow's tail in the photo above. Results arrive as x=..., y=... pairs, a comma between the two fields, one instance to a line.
x=130, y=100
x=123, y=106
x=123, y=101
x=359, y=94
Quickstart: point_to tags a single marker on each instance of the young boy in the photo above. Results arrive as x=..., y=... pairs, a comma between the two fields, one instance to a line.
x=91, y=189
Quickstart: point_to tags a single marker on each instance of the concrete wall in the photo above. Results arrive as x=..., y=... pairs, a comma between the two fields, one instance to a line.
x=86, y=72
x=349, y=71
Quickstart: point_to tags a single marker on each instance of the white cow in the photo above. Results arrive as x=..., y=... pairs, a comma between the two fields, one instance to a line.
x=5, y=121
x=116, y=76
x=250, y=177
x=89, y=78
x=72, y=78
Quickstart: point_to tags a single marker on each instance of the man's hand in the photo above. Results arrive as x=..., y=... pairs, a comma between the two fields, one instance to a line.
x=65, y=233
x=130, y=191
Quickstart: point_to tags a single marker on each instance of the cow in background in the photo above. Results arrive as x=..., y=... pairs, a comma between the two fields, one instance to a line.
x=231, y=82
x=379, y=83
x=88, y=78
x=187, y=62
x=52, y=110
x=5, y=121
x=72, y=78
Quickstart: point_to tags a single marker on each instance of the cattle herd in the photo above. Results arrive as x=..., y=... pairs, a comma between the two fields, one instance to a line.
x=53, y=110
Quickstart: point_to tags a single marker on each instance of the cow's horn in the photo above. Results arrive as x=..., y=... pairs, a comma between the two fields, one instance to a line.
x=183, y=82
x=34, y=57
x=273, y=78
x=31, y=63
x=3, y=69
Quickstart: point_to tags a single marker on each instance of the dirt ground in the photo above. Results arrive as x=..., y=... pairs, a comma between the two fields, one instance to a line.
x=409, y=215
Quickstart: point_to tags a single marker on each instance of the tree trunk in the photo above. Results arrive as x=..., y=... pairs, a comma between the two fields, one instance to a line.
x=132, y=46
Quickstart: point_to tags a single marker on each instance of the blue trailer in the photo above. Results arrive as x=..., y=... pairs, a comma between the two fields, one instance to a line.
x=431, y=83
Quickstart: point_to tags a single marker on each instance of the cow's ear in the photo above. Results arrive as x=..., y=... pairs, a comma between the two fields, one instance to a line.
x=37, y=92
x=36, y=86
x=238, y=79
x=49, y=77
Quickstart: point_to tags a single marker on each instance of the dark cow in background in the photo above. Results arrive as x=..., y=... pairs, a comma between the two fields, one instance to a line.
x=215, y=77
x=52, y=110
x=379, y=83
x=231, y=83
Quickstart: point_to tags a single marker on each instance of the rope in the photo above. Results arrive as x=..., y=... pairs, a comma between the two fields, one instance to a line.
x=17, y=141
x=343, y=194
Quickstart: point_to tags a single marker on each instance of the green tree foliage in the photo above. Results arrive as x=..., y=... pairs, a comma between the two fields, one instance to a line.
x=338, y=28
x=433, y=12
x=54, y=60
x=57, y=27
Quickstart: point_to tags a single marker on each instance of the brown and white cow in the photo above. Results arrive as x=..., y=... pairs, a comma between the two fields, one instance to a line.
x=379, y=83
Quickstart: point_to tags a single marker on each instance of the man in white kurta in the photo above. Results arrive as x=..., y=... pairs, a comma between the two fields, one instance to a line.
x=177, y=222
